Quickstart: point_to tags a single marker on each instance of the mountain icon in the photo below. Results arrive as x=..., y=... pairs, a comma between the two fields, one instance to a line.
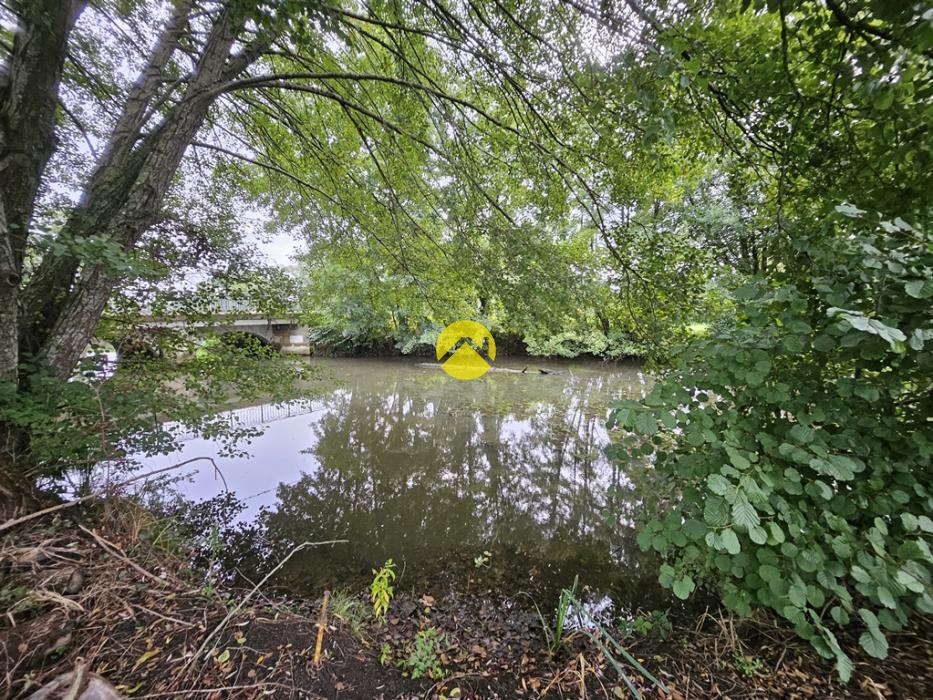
x=465, y=349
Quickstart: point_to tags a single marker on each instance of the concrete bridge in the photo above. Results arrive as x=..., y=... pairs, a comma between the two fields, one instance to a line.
x=229, y=317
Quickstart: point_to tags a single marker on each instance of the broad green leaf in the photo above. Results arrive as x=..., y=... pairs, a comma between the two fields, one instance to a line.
x=684, y=587
x=718, y=484
x=874, y=644
x=744, y=513
x=730, y=541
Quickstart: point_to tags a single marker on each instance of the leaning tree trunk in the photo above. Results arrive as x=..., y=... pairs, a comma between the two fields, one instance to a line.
x=64, y=301
x=65, y=298
x=160, y=155
x=28, y=104
x=105, y=192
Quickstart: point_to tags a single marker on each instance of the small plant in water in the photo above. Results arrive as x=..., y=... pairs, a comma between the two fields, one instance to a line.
x=747, y=665
x=381, y=590
x=425, y=659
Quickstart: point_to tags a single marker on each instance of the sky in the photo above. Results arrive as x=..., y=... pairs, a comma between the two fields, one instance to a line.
x=279, y=248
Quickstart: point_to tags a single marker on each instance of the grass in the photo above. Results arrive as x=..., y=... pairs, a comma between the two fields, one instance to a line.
x=350, y=610
x=554, y=636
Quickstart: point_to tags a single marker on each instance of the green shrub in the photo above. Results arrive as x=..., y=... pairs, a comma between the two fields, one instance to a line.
x=794, y=450
x=425, y=659
x=381, y=589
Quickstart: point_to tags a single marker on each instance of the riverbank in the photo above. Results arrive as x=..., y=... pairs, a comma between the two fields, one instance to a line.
x=90, y=589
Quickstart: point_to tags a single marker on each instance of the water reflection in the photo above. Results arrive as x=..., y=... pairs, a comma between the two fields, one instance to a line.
x=405, y=462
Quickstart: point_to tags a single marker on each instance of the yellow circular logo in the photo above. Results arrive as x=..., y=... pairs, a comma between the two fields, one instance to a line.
x=465, y=350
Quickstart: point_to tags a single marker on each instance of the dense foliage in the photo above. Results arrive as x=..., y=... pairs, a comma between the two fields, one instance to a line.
x=792, y=447
x=797, y=445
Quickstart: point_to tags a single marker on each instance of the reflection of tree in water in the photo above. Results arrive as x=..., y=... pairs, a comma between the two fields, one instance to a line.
x=420, y=476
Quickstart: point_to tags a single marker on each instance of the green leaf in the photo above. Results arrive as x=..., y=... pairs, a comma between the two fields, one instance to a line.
x=744, y=513
x=715, y=512
x=646, y=424
x=684, y=587
x=802, y=434
x=849, y=210
x=718, y=484
x=738, y=461
x=874, y=643
x=769, y=572
x=909, y=581
x=883, y=99
x=757, y=534
x=798, y=595
x=730, y=541
x=844, y=666
x=919, y=289
x=869, y=618
x=885, y=597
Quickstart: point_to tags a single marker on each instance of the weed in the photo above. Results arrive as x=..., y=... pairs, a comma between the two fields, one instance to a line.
x=482, y=559
x=611, y=649
x=12, y=594
x=553, y=636
x=653, y=622
x=425, y=659
x=747, y=665
x=381, y=590
x=350, y=610
x=385, y=654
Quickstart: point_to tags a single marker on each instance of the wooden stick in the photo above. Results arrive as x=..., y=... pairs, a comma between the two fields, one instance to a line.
x=114, y=551
x=321, y=624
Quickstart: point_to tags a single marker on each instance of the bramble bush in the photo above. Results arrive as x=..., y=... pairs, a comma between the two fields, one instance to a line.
x=793, y=451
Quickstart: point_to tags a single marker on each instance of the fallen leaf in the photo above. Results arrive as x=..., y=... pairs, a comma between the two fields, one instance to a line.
x=146, y=656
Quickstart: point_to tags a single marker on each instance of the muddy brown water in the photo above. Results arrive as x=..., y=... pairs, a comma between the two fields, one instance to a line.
x=407, y=463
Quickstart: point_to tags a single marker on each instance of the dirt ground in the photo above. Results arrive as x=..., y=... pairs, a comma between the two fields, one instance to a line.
x=76, y=590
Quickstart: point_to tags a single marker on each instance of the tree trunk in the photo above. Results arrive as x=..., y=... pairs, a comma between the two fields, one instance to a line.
x=153, y=166
x=107, y=189
x=28, y=103
x=9, y=286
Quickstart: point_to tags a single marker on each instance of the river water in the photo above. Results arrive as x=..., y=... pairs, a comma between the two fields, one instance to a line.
x=405, y=462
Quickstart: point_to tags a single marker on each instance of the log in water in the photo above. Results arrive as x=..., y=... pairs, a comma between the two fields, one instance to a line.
x=526, y=370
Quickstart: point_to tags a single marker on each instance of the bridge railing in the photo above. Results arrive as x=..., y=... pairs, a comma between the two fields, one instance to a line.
x=256, y=415
x=220, y=306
